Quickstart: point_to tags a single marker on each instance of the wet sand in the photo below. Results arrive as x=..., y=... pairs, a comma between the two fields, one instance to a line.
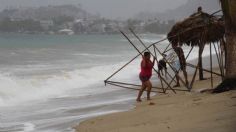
x=182, y=112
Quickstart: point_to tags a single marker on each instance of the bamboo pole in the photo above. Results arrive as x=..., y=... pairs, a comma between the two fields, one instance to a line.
x=146, y=47
x=130, y=87
x=194, y=76
x=172, y=79
x=191, y=65
x=150, y=46
x=125, y=65
x=166, y=48
x=159, y=73
x=118, y=84
x=219, y=60
x=222, y=61
x=141, y=54
x=130, y=84
x=211, y=66
x=172, y=68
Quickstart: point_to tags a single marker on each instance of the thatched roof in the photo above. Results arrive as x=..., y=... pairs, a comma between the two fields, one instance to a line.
x=196, y=28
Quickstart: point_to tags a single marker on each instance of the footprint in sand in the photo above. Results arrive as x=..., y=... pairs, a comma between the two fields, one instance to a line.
x=197, y=103
x=92, y=122
x=234, y=97
x=233, y=105
x=151, y=103
x=197, y=99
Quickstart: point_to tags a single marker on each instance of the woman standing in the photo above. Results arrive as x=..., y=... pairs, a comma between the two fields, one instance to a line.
x=145, y=75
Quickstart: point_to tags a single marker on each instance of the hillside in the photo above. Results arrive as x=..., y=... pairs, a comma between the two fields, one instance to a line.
x=182, y=11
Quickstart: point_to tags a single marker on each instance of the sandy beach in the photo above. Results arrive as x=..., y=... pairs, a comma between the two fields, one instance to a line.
x=181, y=112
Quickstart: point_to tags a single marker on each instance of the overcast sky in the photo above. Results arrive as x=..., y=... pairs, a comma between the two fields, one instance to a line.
x=107, y=8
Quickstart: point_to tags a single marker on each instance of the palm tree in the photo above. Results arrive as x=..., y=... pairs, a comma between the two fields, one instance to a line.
x=229, y=12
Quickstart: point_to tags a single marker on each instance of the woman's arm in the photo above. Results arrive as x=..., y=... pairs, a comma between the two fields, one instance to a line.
x=144, y=62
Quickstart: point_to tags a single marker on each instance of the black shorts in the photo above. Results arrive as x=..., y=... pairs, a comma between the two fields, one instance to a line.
x=161, y=65
x=182, y=66
x=144, y=78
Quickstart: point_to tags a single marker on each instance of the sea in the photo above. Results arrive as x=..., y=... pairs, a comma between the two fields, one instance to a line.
x=50, y=83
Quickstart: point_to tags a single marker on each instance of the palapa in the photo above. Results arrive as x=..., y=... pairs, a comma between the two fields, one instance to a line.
x=198, y=29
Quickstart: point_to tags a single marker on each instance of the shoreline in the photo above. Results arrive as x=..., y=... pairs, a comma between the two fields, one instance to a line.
x=163, y=112
x=200, y=113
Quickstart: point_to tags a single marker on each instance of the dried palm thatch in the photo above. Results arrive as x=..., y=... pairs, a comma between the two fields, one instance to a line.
x=199, y=28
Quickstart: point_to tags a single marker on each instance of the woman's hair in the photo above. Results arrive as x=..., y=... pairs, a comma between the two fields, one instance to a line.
x=146, y=54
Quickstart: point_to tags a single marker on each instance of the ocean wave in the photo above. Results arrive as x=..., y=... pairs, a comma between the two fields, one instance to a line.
x=93, y=55
x=14, y=89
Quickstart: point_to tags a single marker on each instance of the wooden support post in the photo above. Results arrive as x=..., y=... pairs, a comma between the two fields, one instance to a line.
x=122, y=83
x=194, y=76
x=161, y=78
x=159, y=72
x=172, y=79
x=191, y=65
x=172, y=68
x=141, y=54
x=166, y=48
x=126, y=87
x=219, y=60
x=211, y=66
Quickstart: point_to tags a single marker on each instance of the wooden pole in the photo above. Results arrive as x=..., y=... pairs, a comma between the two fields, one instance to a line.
x=172, y=68
x=159, y=73
x=189, y=53
x=191, y=65
x=219, y=60
x=211, y=66
x=222, y=62
x=126, y=64
x=146, y=48
x=126, y=87
x=194, y=76
x=141, y=54
x=143, y=51
x=129, y=87
x=166, y=48
x=172, y=79
x=130, y=84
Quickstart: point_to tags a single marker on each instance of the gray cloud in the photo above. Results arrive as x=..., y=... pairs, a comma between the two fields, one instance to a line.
x=107, y=8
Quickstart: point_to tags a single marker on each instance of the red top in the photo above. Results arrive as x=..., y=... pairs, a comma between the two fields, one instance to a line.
x=146, y=70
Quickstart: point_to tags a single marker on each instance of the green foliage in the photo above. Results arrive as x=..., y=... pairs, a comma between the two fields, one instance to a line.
x=131, y=23
x=62, y=19
x=7, y=25
x=158, y=27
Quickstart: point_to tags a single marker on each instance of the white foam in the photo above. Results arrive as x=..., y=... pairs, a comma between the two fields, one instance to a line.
x=15, y=90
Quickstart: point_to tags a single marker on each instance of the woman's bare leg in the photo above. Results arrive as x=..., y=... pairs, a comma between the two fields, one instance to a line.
x=149, y=88
x=166, y=73
x=141, y=92
x=186, y=77
x=177, y=80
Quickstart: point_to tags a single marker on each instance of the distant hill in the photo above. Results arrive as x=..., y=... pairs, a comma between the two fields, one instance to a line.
x=45, y=13
x=182, y=11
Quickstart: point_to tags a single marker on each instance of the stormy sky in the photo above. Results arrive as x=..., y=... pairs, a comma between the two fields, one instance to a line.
x=106, y=8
